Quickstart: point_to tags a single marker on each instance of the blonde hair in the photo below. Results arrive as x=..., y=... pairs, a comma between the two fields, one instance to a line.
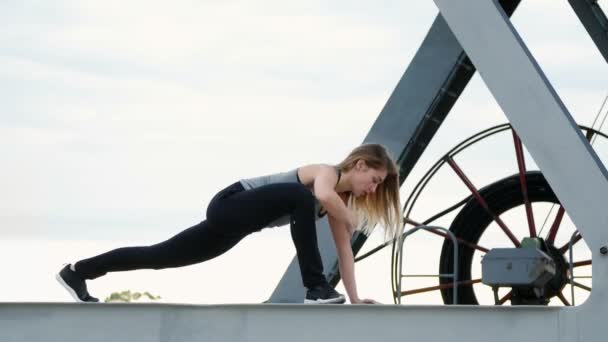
x=383, y=206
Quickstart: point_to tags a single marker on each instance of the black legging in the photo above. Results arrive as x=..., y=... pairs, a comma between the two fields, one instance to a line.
x=232, y=214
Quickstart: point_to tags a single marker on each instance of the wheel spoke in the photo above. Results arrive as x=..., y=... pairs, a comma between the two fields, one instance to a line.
x=589, y=135
x=556, y=224
x=521, y=164
x=445, y=235
x=565, y=247
x=563, y=299
x=482, y=202
x=505, y=298
x=584, y=287
x=439, y=287
x=581, y=263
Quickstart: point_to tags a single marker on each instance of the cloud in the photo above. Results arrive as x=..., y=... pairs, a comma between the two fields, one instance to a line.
x=152, y=106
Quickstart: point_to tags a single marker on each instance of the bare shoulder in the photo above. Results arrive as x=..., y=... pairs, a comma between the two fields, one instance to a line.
x=307, y=173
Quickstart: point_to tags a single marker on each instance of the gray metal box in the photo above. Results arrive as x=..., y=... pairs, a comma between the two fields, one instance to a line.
x=517, y=267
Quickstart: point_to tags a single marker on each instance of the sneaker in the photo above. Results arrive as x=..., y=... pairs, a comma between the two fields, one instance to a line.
x=75, y=285
x=323, y=294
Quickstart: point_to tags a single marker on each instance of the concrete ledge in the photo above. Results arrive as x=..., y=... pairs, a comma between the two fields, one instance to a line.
x=277, y=322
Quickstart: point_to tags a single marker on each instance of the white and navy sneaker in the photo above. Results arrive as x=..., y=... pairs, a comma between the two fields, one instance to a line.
x=75, y=285
x=323, y=294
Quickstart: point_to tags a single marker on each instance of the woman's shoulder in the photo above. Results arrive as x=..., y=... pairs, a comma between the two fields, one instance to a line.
x=308, y=172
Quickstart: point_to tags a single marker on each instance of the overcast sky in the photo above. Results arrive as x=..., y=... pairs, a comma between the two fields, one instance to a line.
x=121, y=120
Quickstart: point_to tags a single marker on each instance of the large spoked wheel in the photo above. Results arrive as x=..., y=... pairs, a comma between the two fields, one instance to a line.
x=500, y=214
x=473, y=220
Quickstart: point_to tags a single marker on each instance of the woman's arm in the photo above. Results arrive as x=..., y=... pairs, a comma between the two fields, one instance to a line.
x=324, y=183
x=342, y=223
x=346, y=260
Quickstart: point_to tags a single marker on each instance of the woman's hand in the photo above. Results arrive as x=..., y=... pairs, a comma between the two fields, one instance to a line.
x=363, y=301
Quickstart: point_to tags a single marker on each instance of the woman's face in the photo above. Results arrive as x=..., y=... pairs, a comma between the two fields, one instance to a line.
x=365, y=179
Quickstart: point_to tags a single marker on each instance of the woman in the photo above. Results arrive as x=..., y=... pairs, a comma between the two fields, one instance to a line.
x=356, y=194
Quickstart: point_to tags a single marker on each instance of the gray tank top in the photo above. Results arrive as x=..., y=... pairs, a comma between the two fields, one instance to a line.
x=290, y=176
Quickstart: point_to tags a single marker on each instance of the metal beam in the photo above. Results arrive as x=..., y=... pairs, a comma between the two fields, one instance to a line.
x=542, y=121
x=594, y=20
x=46, y=322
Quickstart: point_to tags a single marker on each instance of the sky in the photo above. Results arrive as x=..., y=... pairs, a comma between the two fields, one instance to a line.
x=120, y=121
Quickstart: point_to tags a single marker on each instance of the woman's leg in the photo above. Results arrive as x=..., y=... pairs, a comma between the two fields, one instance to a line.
x=193, y=245
x=246, y=211
x=231, y=215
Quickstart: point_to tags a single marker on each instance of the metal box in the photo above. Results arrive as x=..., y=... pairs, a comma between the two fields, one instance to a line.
x=517, y=267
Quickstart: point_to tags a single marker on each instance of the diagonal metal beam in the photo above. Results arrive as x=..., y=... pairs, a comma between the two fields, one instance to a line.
x=594, y=20
x=544, y=124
